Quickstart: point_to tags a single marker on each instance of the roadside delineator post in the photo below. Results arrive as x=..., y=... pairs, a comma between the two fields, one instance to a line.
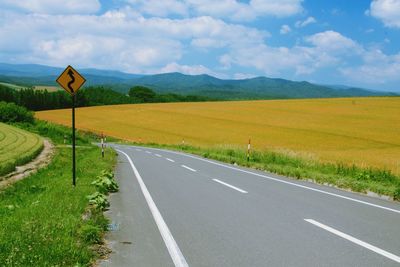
x=102, y=145
x=248, y=150
x=71, y=81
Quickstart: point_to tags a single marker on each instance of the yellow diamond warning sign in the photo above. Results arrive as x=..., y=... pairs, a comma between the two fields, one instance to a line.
x=71, y=80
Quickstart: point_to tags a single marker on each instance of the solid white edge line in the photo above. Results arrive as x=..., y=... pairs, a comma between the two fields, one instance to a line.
x=283, y=181
x=190, y=169
x=158, y=155
x=231, y=186
x=173, y=249
x=355, y=240
x=170, y=160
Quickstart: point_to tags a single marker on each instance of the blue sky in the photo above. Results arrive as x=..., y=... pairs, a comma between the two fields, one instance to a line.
x=329, y=42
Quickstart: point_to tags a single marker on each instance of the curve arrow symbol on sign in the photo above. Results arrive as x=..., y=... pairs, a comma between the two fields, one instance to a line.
x=71, y=74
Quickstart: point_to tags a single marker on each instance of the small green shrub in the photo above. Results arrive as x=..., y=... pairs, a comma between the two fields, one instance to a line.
x=99, y=201
x=10, y=112
x=105, y=183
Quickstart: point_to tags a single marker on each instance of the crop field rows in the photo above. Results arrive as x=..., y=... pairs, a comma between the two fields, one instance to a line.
x=17, y=147
x=49, y=88
x=13, y=86
x=46, y=87
x=360, y=131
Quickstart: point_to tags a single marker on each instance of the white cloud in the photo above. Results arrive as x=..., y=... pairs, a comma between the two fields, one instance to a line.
x=285, y=29
x=53, y=6
x=336, y=11
x=228, y=9
x=107, y=52
x=377, y=68
x=326, y=49
x=386, y=10
x=332, y=41
x=304, y=23
x=226, y=61
x=126, y=40
x=243, y=76
x=208, y=43
x=190, y=70
x=161, y=8
x=271, y=60
x=222, y=9
x=119, y=39
x=281, y=8
x=186, y=69
x=66, y=49
x=202, y=27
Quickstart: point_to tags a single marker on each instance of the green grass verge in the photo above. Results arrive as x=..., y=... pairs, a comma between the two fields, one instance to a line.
x=41, y=217
x=354, y=178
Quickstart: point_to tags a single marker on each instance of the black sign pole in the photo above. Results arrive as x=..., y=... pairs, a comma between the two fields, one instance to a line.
x=73, y=141
x=67, y=78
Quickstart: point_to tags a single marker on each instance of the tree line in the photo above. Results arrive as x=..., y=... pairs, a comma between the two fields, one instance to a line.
x=90, y=96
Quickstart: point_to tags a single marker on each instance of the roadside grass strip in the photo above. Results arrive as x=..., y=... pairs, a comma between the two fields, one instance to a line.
x=44, y=220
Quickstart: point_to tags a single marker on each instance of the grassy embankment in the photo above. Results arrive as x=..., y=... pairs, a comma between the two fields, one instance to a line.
x=41, y=216
x=17, y=147
x=352, y=143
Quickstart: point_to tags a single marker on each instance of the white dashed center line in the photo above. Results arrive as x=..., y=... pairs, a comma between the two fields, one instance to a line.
x=355, y=240
x=190, y=169
x=230, y=186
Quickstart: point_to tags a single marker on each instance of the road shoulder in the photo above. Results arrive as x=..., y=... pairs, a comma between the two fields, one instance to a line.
x=133, y=237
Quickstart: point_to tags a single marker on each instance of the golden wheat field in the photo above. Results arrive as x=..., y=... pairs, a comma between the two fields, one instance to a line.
x=364, y=131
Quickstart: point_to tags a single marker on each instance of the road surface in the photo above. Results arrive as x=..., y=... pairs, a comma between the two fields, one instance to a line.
x=176, y=209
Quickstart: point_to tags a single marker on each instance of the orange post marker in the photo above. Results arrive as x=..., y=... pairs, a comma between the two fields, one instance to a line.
x=248, y=150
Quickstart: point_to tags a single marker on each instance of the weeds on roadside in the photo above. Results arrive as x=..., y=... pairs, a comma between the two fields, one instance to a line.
x=104, y=184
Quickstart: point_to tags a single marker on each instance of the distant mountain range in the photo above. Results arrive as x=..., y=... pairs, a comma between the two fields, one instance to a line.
x=203, y=85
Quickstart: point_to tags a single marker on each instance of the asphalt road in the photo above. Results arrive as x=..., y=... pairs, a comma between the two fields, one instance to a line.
x=175, y=209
